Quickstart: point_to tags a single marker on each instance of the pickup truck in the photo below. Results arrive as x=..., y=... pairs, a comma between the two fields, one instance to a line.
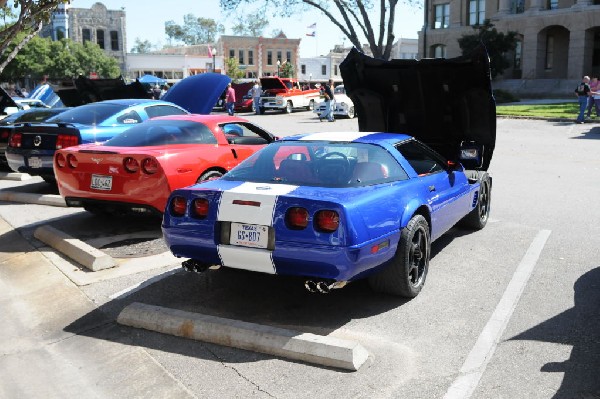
x=286, y=94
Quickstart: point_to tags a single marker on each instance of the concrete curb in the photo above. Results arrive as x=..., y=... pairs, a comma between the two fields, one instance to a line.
x=310, y=348
x=14, y=176
x=30, y=198
x=86, y=255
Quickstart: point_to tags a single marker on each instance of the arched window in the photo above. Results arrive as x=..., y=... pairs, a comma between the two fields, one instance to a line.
x=438, y=51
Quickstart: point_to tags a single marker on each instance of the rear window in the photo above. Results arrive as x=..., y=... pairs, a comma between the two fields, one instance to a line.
x=89, y=114
x=163, y=132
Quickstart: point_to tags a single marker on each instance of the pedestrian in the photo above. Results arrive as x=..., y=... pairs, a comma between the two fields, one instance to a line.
x=156, y=92
x=594, y=98
x=255, y=92
x=583, y=93
x=229, y=99
x=329, y=102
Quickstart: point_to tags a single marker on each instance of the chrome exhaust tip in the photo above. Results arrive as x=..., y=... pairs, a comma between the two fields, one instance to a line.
x=192, y=265
x=310, y=286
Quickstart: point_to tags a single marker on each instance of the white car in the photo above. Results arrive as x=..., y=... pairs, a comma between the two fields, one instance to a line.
x=343, y=105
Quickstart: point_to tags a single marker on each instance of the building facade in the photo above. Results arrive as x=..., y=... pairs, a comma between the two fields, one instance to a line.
x=558, y=40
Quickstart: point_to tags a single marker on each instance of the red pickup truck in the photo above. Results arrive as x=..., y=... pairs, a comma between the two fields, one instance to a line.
x=286, y=94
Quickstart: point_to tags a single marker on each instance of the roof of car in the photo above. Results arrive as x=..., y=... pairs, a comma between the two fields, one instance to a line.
x=350, y=137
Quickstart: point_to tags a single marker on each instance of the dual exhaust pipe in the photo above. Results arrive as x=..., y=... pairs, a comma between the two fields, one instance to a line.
x=323, y=287
x=192, y=265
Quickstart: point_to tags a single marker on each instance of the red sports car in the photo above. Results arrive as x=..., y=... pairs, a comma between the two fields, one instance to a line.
x=137, y=169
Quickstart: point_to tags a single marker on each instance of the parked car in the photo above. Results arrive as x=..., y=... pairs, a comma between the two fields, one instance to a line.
x=138, y=169
x=26, y=103
x=31, y=147
x=343, y=104
x=335, y=207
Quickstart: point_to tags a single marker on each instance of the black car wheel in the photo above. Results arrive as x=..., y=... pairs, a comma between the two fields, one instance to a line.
x=288, y=108
x=311, y=105
x=211, y=174
x=478, y=217
x=405, y=275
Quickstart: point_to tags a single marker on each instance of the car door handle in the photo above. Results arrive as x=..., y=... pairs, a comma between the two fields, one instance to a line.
x=431, y=188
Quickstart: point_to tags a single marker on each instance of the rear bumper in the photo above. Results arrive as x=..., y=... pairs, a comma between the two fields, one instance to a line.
x=112, y=206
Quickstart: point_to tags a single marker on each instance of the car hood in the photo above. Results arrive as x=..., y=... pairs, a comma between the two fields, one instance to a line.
x=272, y=83
x=444, y=103
x=198, y=93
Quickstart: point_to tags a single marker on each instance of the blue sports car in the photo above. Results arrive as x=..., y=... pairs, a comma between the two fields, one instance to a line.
x=336, y=207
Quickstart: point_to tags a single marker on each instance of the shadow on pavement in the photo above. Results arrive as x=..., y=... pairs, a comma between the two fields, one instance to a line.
x=592, y=134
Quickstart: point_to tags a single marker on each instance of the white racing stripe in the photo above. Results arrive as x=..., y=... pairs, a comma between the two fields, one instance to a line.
x=258, y=260
x=336, y=136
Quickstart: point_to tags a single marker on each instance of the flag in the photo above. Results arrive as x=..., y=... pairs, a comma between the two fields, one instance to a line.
x=312, y=30
x=210, y=52
x=312, y=33
x=313, y=26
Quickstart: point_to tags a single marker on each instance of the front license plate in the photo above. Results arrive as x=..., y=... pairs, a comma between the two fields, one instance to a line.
x=249, y=235
x=100, y=182
x=35, y=162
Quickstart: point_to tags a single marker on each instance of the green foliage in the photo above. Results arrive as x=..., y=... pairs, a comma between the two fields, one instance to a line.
x=497, y=44
x=566, y=110
x=286, y=70
x=503, y=96
x=142, y=47
x=233, y=69
x=251, y=25
x=194, y=30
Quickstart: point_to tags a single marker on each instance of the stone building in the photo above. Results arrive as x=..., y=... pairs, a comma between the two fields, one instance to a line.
x=558, y=40
x=97, y=24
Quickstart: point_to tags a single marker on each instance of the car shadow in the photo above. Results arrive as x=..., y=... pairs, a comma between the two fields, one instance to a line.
x=577, y=327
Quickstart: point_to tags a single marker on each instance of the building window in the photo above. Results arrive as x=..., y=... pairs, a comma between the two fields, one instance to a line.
x=279, y=56
x=231, y=53
x=552, y=4
x=517, y=6
x=303, y=69
x=60, y=33
x=324, y=70
x=442, y=16
x=549, y=52
x=86, y=35
x=288, y=56
x=114, y=40
x=100, y=38
x=439, y=51
x=269, y=57
x=335, y=70
x=250, y=57
x=518, y=54
x=241, y=57
x=476, y=12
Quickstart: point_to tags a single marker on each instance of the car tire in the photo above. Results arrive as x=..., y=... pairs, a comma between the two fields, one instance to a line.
x=288, y=108
x=210, y=174
x=406, y=272
x=311, y=105
x=351, y=113
x=478, y=217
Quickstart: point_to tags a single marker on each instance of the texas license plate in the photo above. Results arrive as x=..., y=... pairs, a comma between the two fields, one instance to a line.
x=249, y=235
x=100, y=182
x=35, y=162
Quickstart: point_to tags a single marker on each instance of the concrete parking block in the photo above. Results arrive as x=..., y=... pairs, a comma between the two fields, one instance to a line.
x=310, y=348
x=86, y=255
x=14, y=176
x=31, y=198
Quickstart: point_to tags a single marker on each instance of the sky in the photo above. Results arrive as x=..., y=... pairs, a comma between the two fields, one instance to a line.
x=146, y=20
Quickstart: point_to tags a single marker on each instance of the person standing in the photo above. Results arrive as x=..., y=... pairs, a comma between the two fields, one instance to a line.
x=255, y=92
x=594, y=98
x=329, y=102
x=229, y=99
x=583, y=93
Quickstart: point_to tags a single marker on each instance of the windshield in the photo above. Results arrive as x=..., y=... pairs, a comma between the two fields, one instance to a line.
x=339, y=90
x=320, y=164
x=89, y=114
x=163, y=132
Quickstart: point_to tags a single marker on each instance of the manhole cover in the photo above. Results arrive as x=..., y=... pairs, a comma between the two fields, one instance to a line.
x=135, y=247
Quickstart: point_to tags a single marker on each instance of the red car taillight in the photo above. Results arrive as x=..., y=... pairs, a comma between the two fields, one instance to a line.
x=296, y=218
x=60, y=160
x=131, y=165
x=178, y=205
x=327, y=221
x=200, y=207
x=15, y=140
x=72, y=161
x=66, y=140
x=4, y=133
x=150, y=166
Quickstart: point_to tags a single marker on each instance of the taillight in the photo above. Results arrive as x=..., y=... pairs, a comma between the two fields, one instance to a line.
x=178, y=205
x=131, y=165
x=66, y=140
x=4, y=133
x=327, y=221
x=15, y=140
x=72, y=161
x=200, y=207
x=150, y=165
x=60, y=160
x=296, y=218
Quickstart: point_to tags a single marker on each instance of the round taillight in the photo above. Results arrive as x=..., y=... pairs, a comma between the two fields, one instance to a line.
x=150, y=165
x=131, y=165
x=297, y=218
x=178, y=205
x=200, y=207
x=60, y=160
x=72, y=161
x=327, y=221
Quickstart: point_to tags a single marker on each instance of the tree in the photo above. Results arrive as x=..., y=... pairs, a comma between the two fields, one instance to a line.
x=194, y=30
x=286, y=70
x=25, y=21
x=496, y=43
x=233, y=69
x=142, y=47
x=252, y=25
x=351, y=13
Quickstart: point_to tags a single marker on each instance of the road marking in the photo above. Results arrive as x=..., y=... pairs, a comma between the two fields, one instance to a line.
x=476, y=362
x=134, y=288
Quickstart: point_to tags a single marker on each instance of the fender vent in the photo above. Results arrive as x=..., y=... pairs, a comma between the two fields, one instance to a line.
x=475, y=197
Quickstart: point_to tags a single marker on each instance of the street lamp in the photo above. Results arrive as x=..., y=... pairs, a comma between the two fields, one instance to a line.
x=214, y=54
x=278, y=64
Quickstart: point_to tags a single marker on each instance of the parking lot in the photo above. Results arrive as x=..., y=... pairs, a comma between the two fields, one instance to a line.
x=510, y=311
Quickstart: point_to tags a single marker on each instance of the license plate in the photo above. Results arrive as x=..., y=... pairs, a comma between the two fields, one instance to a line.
x=249, y=235
x=100, y=182
x=35, y=162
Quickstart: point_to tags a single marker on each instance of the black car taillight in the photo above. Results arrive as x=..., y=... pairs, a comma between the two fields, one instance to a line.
x=327, y=221
x=131, y=165
x=178, y=205
x=200, y=207
x=296, y=218
x=66, y=140
x=15, y=140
